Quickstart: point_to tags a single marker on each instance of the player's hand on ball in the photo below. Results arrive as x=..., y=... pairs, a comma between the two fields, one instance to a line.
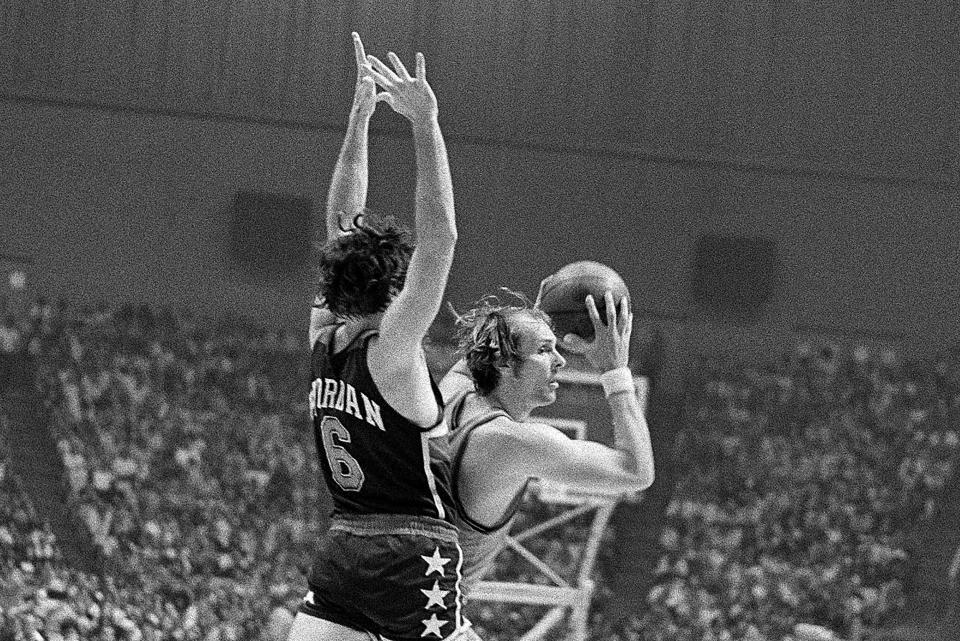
x=365, y=92
x=410, y=96
x=610, y=347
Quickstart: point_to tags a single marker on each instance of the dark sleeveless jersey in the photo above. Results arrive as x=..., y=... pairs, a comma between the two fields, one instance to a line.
x=374, y=460
x=480, y=542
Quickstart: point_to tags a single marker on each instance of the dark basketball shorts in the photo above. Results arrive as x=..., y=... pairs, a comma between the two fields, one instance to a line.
x=394, y=576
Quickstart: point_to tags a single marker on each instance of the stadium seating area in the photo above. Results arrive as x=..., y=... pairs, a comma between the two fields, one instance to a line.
x=33, y=576
x=804, y=484
x=188, y=457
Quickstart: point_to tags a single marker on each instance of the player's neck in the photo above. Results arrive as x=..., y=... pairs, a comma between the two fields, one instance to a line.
x=353, y=327
x=513, y=404
x=370, y=321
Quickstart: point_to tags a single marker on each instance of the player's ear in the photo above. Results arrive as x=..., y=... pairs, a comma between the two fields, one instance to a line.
x=509, y=370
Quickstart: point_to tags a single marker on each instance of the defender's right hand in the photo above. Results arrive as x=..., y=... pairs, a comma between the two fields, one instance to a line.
x=411, y=97
x=610, y=348
x=365, y=92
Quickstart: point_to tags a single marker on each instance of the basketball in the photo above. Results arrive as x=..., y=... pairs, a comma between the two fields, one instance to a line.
x=564, y=292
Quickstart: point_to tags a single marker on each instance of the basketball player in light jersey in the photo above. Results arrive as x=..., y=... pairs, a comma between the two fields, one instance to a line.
x=389, y=566
x=510, y=368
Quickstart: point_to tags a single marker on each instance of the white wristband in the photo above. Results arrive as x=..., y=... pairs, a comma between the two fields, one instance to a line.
x=616, y=381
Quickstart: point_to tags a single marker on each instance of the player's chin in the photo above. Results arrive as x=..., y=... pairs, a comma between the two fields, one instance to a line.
x=548, y=395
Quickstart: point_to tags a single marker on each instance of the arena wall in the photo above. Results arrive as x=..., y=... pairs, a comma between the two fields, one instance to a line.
x=612, y=130
x=847, y=85
x=121, y=205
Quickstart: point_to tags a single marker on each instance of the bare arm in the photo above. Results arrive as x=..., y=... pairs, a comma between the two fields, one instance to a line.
x=410, y=314
x=631, y=434
x=610, y=352
x=585, y=465
x=347, y=195
x=536, y=450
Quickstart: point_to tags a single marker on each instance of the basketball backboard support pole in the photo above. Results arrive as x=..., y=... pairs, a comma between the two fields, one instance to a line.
x=570, y=599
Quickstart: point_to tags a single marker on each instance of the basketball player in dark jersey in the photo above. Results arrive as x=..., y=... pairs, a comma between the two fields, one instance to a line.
x=389, y=566
x=509, y=368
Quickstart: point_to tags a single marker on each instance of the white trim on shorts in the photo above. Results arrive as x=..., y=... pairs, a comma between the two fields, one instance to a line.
x=431, y=482
x=460, y=620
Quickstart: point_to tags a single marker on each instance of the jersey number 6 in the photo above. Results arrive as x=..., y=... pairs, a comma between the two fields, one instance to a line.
x=344, y=468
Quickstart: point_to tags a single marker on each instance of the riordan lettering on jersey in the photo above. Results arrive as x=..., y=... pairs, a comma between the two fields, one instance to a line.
x=334, y=394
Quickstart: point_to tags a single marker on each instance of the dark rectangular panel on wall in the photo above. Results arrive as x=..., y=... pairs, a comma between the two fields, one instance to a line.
x=270, y=232
x=734, y=275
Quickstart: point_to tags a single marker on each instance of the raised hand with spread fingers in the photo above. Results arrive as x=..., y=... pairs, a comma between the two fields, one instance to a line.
x=365, y=91
x=610, y=347
x=410, y=96
x=347, y=195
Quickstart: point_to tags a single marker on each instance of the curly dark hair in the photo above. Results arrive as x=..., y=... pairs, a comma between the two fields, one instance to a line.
x=362, y=270
x=488, y=337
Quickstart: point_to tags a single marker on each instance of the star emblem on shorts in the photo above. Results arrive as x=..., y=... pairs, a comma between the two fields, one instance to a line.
x=435, y=562
x=435, y=596
x=433, y=625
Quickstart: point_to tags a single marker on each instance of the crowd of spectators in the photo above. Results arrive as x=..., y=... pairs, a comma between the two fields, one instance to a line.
x=805, y=483
x=184, y=448
x=189, y=460
x=34, y=579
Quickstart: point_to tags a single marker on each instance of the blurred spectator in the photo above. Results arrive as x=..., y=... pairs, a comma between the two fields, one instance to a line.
x=10, y=336
x=10, y=345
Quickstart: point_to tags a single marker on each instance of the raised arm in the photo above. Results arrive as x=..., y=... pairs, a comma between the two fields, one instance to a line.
x=629, y=463
x=347, y=195
x=410, y=314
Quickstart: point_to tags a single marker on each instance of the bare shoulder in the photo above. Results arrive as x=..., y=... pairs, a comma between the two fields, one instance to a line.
x=519, y=438
x=525, y=449
x=455, y=381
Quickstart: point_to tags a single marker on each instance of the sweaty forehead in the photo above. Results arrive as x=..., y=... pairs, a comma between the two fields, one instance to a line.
x=533, y=332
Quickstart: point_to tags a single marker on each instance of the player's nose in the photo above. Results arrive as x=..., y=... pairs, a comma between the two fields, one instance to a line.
x=558, y=360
